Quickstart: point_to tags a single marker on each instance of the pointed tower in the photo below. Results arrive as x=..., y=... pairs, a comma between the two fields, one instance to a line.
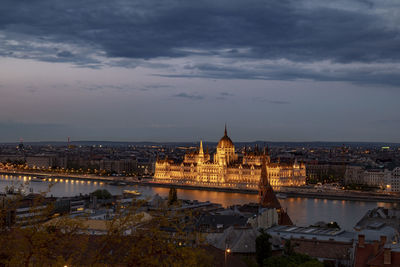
x=266, y=194
x=266, y=154
x=201, y=152
x=296, y=164
x=226, y=132
x=268, y=198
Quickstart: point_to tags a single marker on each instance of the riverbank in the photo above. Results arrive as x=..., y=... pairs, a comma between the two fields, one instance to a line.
x=62, y=176
x=290, y=192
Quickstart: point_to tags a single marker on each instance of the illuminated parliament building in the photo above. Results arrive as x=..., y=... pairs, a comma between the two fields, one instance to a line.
x=227, y=169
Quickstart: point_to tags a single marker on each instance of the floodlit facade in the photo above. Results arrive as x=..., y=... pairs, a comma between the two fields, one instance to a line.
x=393, y=181
x=383, y=178
x=227, y=170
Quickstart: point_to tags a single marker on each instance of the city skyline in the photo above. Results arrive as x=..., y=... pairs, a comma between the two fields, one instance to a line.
x=168, y=71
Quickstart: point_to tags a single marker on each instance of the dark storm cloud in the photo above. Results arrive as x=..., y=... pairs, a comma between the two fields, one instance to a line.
x=147, y=29
x=65, y=54
x=365, y=74
x=230, y=29
x=189, y=96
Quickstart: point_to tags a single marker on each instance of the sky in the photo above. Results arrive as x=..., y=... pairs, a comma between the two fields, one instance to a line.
x=178, y=70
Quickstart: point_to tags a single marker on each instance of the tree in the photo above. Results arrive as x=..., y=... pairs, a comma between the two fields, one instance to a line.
x=102, y=194
x=333, y=225
x=263, y=247
x=294, y=260
x=288, y=248
x=172, y=196
x=131, y=238
x=312, y=263
x=278, y=261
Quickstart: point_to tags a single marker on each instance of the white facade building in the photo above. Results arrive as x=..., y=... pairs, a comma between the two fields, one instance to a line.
x=393, y=182
x=385, y=179
x=376, y=177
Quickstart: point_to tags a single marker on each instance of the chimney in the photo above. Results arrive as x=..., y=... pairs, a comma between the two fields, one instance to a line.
x=361, y=241
x=387, y=256
x=383, y=240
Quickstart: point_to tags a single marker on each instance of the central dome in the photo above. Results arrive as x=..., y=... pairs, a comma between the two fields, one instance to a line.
x=225, y=141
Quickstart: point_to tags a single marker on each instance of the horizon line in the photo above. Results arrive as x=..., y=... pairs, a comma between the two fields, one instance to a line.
x=204, y=141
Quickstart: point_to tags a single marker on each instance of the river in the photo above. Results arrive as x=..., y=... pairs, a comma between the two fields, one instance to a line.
x=303, y=211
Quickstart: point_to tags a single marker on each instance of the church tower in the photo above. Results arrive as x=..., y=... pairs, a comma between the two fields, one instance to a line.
x=267, y=197
x=266, y=194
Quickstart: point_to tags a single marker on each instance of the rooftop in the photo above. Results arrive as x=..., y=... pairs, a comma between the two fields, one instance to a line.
x=293, y=231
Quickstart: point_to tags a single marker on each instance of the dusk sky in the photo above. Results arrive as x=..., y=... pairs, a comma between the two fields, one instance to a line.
x=178, y=70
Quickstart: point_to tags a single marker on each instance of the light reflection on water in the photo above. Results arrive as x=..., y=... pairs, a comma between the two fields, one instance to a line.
x=303, y=211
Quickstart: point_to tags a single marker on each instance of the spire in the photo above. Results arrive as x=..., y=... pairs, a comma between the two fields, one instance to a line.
x=264, y=175
x=266, y=193
x=268, y=198
x=226, y=132
x=201, y=147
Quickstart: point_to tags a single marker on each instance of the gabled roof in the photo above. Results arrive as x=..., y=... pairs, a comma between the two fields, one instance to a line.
x=223, y=220
x=238, y=240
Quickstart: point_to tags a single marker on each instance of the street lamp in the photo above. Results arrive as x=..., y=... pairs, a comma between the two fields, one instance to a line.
x=227, y=251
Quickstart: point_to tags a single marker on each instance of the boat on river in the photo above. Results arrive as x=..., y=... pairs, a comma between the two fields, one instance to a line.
x=118, y=183
x=132, y=192
x=281, y=196
x=35, y=179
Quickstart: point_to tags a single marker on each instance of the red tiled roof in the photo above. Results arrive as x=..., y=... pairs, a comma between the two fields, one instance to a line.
x=378, y=259
x=365, y=256
x=323, y=249
x=284, y=218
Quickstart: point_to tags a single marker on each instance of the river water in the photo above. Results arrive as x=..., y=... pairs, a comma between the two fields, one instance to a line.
x=303, y=211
